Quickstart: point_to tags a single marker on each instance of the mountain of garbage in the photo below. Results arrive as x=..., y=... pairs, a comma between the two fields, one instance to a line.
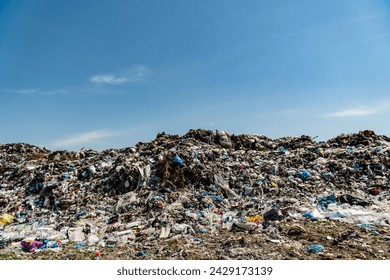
x=206, y=194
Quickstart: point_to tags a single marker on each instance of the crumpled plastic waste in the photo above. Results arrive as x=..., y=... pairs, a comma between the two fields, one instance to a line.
x=80, y=244
x=31, y=246
x=323, y=202
x=309, y=216
x=177, y=159
x=6, y=219
x=254, y=219
x=316, y=248
x=191, y=187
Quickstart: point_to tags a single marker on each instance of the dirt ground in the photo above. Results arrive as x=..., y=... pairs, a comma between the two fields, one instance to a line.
x=280, y=241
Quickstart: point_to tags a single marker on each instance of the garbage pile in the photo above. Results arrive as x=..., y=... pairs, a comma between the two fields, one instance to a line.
x=189, y=187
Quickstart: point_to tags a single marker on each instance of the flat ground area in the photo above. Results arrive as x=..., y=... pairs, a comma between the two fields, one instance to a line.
x=280, y=241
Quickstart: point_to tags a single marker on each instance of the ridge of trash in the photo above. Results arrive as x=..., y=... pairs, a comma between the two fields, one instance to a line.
x=184, y=186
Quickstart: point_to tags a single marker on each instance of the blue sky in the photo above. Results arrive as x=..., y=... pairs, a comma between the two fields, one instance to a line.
x=101, y=74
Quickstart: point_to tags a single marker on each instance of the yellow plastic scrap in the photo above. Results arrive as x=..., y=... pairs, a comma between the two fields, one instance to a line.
x=254, y=219
x=274, y=184
x=6, y=219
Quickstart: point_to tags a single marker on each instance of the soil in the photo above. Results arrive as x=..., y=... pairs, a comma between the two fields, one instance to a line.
x=340, y=240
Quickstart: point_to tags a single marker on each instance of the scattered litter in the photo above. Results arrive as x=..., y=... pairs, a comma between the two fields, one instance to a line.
x=316, y=248
x=192, y=188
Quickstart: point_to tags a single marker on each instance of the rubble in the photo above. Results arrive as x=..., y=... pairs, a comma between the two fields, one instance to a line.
x=200, y=188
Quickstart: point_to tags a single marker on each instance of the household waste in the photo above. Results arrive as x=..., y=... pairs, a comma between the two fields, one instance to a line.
x=193, y=187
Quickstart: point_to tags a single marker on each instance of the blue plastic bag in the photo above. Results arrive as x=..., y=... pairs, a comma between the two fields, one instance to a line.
x=80, y=244
x=309, y=215
x=316, y=248
x=177, y=159
x=304, y=174
x=323, y=202
x=217, y=198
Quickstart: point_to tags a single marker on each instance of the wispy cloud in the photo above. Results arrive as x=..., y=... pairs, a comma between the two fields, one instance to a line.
x=108, y=79
x=135, y=74
x=131, y=75
x=83, y=138
x=38, y=91
x=78, y=90
x=353, y=112
x=27, y=91
x=359, y=111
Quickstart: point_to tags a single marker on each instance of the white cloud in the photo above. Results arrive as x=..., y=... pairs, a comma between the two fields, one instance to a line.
x=39, y=92
x=131, y=75
x=83, y=138
x=134, y=74
x=360, y=111
x=108, y=79
x=353, y=112
x=27, y=91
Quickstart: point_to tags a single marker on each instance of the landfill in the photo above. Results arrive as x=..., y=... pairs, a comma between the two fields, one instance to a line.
x=202, y=195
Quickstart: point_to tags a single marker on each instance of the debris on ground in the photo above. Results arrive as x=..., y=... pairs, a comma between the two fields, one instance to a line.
x=202, y=195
